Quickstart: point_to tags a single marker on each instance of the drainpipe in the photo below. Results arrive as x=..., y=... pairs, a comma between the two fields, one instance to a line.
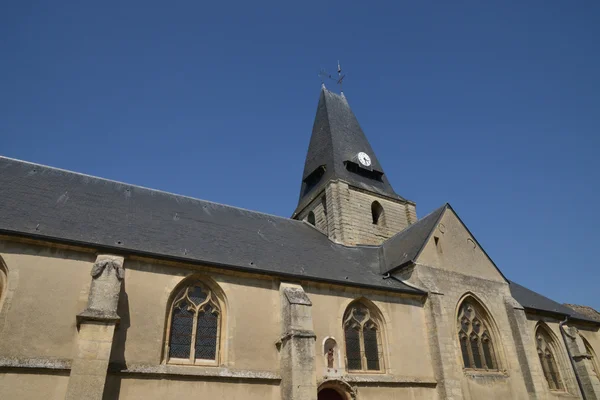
x=562, y=332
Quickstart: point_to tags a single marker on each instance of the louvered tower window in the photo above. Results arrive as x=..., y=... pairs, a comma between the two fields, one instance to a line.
x=363, y=339
x=195, y=326
x=475, y=337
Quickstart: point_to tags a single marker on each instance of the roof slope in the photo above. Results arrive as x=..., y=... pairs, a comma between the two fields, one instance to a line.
x=530, y=299
x=54, y=204
x=336, y=138
x=585, y=310
x=405, y=247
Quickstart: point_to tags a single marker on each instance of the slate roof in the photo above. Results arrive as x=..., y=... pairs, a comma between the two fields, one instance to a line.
x=337, y=137
x=49, y=203
x=532, y=300
x=405, y=246
x=53, y=204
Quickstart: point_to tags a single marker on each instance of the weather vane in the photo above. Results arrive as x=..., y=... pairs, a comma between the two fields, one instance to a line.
x=323, y=74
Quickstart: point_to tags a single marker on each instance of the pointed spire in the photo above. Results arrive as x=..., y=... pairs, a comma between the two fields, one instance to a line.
x=339, y=149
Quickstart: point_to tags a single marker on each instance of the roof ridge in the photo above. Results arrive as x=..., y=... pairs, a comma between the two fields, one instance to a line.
x=146, y=188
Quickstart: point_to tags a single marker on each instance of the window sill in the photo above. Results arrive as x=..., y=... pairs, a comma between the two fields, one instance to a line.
x=194, y=370
x=201, y=363
x=482, y=373
x=562, y=394
x=360, y=372
x=389, y=379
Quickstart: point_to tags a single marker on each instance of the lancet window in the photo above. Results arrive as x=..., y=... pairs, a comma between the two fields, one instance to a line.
x=592, y=356
x=195, y=326
x=362, y=332
x=3, y=281
x=475, y=337
x=547, y=351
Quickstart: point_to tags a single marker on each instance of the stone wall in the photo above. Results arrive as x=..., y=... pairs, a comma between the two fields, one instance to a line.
x=349, y=219
x=43, y=349
x=447, y=289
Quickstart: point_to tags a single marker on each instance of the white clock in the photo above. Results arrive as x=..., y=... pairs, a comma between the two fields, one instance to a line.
x=364, y=159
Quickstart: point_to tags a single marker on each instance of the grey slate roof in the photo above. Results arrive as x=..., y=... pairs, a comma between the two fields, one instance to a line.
x=532, y=300
x=337, y=137
x=405, y=247
x=49, y=203
x=53, y=204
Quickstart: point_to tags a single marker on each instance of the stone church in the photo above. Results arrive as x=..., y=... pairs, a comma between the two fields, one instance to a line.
x=113, y=291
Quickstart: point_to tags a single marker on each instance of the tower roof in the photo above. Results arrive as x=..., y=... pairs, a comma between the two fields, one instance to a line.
x=336, y=141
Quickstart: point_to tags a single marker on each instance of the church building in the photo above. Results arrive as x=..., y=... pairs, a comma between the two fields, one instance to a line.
x=111, y=291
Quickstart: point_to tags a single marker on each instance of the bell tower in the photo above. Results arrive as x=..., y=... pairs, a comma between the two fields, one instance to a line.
x=344, y=191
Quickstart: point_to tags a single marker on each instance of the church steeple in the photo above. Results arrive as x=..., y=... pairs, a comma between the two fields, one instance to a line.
x=340, y=153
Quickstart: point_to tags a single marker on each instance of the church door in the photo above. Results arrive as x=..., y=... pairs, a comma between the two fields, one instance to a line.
x=329, y=394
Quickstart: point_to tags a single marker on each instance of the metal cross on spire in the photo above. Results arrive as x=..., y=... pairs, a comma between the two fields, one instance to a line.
x=340, y=77
x=323, y=74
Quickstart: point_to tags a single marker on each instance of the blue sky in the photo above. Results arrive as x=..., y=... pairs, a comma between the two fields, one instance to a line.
x=493, y=107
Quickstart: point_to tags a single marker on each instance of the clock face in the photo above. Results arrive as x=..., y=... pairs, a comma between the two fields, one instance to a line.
x=364, y=159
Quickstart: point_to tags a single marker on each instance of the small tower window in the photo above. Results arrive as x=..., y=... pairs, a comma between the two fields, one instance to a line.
x=311, y=218
x=377, y=213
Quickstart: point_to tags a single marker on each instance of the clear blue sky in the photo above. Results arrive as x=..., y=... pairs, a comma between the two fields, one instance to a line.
x=493, y=107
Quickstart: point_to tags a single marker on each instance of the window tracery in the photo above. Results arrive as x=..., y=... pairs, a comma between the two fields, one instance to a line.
x=195, y=325
x=546, y=349
x=363, y=339
x=474, y=335
x=592, y=357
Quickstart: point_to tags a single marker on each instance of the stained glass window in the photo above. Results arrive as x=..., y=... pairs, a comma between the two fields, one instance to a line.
x=475, y=337
x=353, y=354
x=363, y=342
x=195, y=325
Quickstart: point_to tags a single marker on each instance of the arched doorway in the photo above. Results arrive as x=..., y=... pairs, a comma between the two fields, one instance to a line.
x=329, y=394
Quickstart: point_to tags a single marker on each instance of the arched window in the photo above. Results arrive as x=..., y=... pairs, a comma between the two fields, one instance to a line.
x=311, y=218
x=363, y=339
x=475, y=336
x=547, y=351
x=3, y=281
x=377, y=213
x=194, y=326
x=592, y=357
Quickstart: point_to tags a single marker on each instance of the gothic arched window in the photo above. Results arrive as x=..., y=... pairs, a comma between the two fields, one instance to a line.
x=194, y=326
x=547, y=352
x=377, y=213
x=3, y=281
x=475, y=337
x=592, y=357
x=362, y=333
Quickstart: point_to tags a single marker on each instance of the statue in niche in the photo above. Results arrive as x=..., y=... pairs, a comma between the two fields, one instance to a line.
x=330, y=358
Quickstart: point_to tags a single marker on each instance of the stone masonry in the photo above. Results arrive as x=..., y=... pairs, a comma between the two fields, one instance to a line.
x=96, y=330
x=582, y=361
x=347, y=217
x=297, y=345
